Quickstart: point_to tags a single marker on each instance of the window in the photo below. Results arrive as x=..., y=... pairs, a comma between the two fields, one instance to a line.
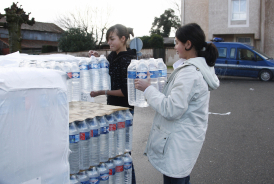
x=239, y=9
x=222, y=52
x=244, y=54
x=232, y=53
x=245, y=40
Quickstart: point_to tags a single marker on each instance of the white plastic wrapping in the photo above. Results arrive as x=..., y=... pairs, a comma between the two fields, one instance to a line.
x=33, y=126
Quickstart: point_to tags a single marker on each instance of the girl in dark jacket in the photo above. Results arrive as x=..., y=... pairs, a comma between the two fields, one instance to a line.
x=119, y=59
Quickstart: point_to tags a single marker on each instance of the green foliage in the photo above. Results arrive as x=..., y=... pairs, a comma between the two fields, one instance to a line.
x=145, y=40
x=162, y=25
x=156, y=41
x=49, y=48
x=76, y=39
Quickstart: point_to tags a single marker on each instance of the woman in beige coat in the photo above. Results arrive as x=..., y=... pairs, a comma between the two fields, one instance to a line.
x=181, y=118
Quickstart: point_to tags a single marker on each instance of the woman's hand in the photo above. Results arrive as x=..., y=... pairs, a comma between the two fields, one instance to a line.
x=96, y=93
x=94, y=53
x=142, y=84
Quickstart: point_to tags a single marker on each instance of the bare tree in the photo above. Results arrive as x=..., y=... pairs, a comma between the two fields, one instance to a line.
x=91, y=20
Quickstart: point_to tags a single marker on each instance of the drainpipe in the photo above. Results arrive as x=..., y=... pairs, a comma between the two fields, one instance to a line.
x=183, y=12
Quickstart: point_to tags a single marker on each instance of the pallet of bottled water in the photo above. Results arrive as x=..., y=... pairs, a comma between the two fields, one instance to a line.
x=100, y=137
x=34, y=116
x=83, y=74
x=138, y=69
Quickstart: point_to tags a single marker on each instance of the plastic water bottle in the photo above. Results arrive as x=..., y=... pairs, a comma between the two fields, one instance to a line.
x=131, y=76
x=104, y=173
x=67, y=69
x=84, y=144
x=85, y=79
x=128, y=168
x=56, y=66
x=162, y=75
x=111, y=167
x=129, y=130
x=94, y=149
x=121, y=132
x=153, y=70
x=73, y=180
x=76, y=84
x=119, y=170
x=141, y=73
x=94, y=175
x=74, y=156
x=104, y=138
x=104, y=71
x=112, y=135
x=82, y=177
x=94, y=70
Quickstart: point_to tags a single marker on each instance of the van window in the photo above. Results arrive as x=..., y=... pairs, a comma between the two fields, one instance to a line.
x=244, y=54
x=222, y=52
x=259, y=58
x=232, y=52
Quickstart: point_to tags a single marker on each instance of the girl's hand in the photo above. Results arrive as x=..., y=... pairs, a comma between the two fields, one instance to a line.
x=142, y=84
x=94, y=53
x=96, y=93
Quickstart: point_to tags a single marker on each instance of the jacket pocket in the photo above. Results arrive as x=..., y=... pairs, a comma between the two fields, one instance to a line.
x=159, y=141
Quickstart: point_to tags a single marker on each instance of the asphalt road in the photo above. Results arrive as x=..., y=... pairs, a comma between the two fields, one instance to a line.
x=238, y=147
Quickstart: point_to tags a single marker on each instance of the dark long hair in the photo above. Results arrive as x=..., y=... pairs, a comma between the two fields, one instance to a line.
x=194, y=33
x=121, y=31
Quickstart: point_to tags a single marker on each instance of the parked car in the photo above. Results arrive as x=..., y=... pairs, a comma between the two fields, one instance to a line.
x=238, y=59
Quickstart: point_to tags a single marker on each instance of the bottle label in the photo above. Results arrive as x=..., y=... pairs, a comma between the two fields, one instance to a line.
x=121, y=125
x=112, y=171
x=94, y=180
x=119, y=168
x=104, y=65
x=131, y=74
x=69, y=74
x=162, y=73
x=74, y=138
x=141, y=75
x=94, y=66
x=104, y=130
x=75, y=75
x=94, y=133
x=104, y=177
x=127, y=165
x=129, y=123
x=84, y=136
x=112, y=127
x=153, y=74
x=84, y=182
x=83, y=67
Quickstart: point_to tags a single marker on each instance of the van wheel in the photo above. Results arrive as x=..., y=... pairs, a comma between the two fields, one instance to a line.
x=265, y=75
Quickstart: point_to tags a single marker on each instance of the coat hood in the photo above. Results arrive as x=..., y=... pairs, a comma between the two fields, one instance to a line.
x=207, y=72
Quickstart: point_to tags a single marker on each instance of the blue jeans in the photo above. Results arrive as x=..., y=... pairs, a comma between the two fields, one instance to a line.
x=170, y=180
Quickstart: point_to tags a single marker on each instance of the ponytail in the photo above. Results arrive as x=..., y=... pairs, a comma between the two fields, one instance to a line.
x=194, y=33
x=210, y=53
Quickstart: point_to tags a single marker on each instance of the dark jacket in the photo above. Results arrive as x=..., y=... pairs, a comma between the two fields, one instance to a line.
x=118, y=73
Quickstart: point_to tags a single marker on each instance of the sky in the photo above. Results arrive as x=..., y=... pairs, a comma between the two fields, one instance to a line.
x=132, y=13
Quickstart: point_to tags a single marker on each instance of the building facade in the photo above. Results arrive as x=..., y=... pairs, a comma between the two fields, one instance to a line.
x=33, y=37
x=246, y=21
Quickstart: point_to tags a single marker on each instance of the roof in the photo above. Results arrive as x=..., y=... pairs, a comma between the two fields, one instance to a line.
x=31, y=44
x=40, y=26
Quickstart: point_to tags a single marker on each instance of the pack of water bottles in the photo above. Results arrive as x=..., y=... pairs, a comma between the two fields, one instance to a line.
x=138, y=69
x=83, y=74
x=34, y=116
x=98, y=134
x=115, y=171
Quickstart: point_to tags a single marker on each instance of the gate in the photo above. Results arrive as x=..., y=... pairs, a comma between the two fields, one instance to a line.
x=159, y=53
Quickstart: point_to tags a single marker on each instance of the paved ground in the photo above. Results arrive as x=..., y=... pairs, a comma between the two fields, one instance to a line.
x=238, y=147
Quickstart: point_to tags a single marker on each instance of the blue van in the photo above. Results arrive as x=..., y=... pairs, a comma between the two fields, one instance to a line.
x=237, y=59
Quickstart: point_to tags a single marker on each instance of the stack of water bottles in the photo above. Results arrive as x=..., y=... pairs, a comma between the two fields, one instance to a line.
x=138, y=69
x=99, y=147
